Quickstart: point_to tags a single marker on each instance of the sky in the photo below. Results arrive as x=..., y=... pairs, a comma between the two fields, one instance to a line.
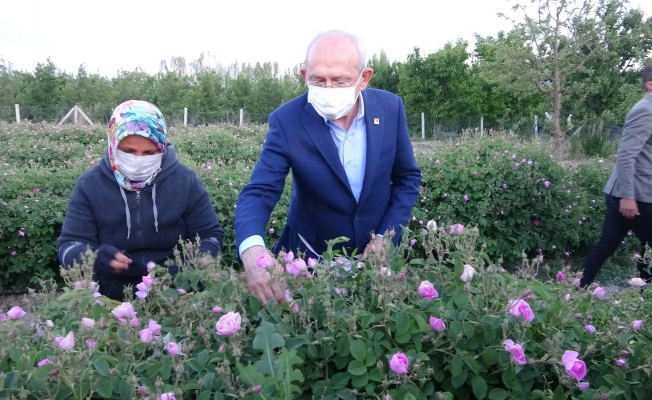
x=112, y=35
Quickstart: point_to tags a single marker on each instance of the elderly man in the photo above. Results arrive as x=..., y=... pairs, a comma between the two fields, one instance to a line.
x=353, y=168
x=629, y=189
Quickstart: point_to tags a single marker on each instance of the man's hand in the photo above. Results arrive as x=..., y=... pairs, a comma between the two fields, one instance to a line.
x=258, y=278
x=120, y=262
x=629, y=208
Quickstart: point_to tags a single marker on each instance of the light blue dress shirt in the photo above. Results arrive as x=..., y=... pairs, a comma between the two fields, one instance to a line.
x=352, y=150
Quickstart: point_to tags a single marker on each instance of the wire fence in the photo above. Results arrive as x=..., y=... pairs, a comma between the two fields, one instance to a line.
x=420, y=125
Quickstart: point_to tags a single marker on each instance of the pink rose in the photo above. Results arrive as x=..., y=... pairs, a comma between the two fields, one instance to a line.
x=256, y=389
x=87, y=323
x=437, y=324
x=637, y=325
x=576, y=282
x=401, y=276
x=621, y=362
x=154, y=327
x=167, y=396
x=264, y=260
x=589, y=328
x=521, y=308
x=289, y=256
x=518, y=355
x=574, y=366
x=46, y=362
x=638, y=282
x=312, y=262
x=468, y=273
x=124, y=311
x=172, y=348
x=583, y=386
x=16, y=313
x=148, y=280
x=91, y=344
x=67, y=342
x=427, y=290
x=296, y=267
x=228, y=324
x=599, y=292
x=146, y=335
x=560, y=275
x=217, y=309
x=546, y=183
x=134, y=322
x=150, y=265
x=432, y=225
x=399, y=363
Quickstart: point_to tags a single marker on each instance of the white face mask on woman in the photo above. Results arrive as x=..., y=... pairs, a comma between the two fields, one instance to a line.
x=136, y=168
x=332, y=103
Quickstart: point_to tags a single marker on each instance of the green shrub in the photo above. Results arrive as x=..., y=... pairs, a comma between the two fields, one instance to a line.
x=338, y=335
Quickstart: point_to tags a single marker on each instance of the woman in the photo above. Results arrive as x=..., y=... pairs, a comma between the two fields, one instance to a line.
x=135, y=204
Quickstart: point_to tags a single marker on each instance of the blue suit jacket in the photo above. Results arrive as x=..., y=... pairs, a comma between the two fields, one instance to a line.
x=322, y=206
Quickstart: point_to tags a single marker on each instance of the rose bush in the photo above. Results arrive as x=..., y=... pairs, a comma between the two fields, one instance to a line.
x=342, y=335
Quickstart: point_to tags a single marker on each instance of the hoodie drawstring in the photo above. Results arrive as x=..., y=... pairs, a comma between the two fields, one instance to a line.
x=124, y=197
x=155, y=210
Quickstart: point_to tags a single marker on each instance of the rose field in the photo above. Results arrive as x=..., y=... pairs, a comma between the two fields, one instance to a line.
x=478, y=301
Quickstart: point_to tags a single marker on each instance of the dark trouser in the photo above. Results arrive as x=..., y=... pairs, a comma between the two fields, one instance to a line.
x=613, y=231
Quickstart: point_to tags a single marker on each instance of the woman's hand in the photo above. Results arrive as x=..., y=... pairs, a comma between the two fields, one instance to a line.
x=110, y=261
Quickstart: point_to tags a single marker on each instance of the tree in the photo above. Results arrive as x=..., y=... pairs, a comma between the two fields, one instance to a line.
x=551, y=43
x=440, y=84
x=385, y=73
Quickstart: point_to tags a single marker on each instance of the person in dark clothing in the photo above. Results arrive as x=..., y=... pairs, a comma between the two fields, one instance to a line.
x=629, y=189
x=133, y=206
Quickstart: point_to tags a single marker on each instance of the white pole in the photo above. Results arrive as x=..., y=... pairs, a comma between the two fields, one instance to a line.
x=482, y=125
x=423, y=126
x=185, y=116
x=17, y=114
x=536, y=125
x=241, y=117
x=75, y=115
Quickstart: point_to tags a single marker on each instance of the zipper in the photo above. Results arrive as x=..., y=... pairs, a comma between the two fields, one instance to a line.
x=138, y=218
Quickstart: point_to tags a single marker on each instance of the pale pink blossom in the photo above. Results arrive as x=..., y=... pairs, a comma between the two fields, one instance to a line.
x=87, y=322
x=520, y=308
x=621, y=362
x=181, y=291
x=468, y=273
x=217, y=309
x=150, y=265
x=312, y=262
x=637, y=325
x=599, y=292
x=124, y=311
x=228, y=324
x=167, y=396
x=16, y=313
x=172, y=348
x=256, y=389
x=289, y=256
x=264, y=260
x=46, y=361
x=91, y=344
x=146, y=335
x=154, y=327
x=638, y=282
x=67, y=342
x=427, y=290
x=134, y=322
x=518, y=355
x=583, y=386
x=437, y=324
x=296, y=268
x=589, y=328
x=432, y=225
x=573, y=365
x=399, y=363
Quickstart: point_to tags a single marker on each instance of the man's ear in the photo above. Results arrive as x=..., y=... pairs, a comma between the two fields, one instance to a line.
x=367, y=73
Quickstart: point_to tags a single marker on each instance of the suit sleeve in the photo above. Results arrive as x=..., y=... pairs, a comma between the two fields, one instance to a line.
x=406, y=178
x=259, y=197
x=636, y=133
x=79, y=231
x=201, y=220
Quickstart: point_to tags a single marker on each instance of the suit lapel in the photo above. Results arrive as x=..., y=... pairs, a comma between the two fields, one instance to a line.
x=374, y=117
x=321, y=137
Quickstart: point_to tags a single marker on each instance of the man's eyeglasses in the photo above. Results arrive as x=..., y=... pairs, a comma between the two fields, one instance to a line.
x=336, y=85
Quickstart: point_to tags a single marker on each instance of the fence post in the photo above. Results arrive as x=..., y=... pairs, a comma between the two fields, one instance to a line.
x=241, y=117
x=536, y=126
x=482, y=125
x=17, y=114
x=185, y=116
x=75, y=115
x=423, y=126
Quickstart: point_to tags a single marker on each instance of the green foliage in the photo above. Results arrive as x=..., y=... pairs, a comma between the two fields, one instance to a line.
x=336, y=337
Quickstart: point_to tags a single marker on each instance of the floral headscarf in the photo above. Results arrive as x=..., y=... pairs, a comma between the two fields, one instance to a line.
x=135, y=117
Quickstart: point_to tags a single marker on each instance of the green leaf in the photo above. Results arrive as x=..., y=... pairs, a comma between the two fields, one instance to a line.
x=357, y=368
x=207, y=380
x=360, y=381
x=479, y=387
x=15, y=354
x=267, y=339
x=104, y=388
x=456, y=366
x=102, y=367
x=125, y=390
x=559, y=394
x=402, y=323
x=358, y=349
x=284, y=366
x=498, y=394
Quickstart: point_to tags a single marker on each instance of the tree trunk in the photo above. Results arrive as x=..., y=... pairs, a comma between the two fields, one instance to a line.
x=560, y=143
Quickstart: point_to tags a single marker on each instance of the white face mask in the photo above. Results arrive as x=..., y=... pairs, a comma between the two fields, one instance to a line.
x=136, y=168
x=332, y=103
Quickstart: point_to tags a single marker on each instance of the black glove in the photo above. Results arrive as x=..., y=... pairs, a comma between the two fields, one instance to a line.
x=105, y=254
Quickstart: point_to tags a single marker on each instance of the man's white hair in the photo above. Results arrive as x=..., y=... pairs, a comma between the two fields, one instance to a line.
x=362, y=53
